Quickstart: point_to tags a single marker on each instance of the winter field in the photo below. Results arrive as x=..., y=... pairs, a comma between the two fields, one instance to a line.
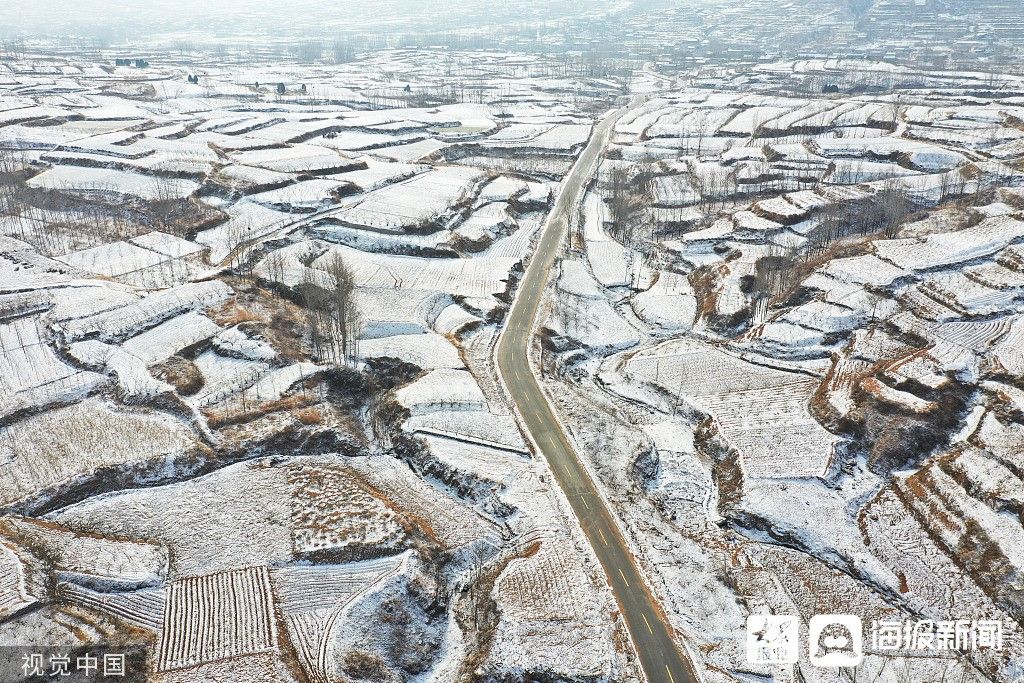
x=782, y=334
x=246, y=317
x=249, y=410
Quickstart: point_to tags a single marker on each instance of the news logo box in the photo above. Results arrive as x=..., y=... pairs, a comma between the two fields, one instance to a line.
x=773, y=639
x=835, y=640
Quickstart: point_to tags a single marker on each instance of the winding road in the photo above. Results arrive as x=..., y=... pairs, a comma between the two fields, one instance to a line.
x=653, y=637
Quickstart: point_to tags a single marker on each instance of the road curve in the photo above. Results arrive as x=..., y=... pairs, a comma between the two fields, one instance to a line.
x=653, y=637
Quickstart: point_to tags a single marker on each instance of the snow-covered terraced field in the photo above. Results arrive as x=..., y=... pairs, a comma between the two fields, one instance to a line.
x=249, y=300
x=412, y=203
x=762, y=412
x=88, y=180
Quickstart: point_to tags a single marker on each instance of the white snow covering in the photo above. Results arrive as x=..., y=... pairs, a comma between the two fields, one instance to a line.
x=442, y=390
x=429, y=351
x=89, y=180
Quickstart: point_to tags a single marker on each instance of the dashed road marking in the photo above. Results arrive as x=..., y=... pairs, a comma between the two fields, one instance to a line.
x=623, y=577
x=671, y=678
x=603, y=539
x=647, y=624
x=585, y=503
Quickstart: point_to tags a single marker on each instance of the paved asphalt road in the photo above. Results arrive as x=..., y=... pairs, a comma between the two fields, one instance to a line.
x=654, y=639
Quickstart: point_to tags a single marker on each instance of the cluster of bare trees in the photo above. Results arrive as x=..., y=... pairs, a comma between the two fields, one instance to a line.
x=774, y=275
x=627, y=196
x=779, y=272
x=331, y=312
x=12, y=49
x=12, y=182
x=52, y=221
x=169, y=211
x=953, y=185
x=881, y=214
x=714, y=187
x=75, y=219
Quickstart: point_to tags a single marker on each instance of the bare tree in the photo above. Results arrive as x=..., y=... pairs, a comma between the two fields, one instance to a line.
x=627, y=196
x=274, y=264
x=344, y=313
x=331, y=313
x=893, y=207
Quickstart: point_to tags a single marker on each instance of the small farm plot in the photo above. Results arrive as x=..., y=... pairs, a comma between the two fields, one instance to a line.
x=674, y=190
x=453, y=523
x=218, y=616
x=582, y=312
x=484, y=465
x=247, y=222
x=477, y=276
x=315, y=599
x=23, y=269
x=442, y=390
x=379, y=173
x=453, y=319
x=251, y=178
x=115, y=259
x=297, y=159
x=356, y=140
x=89, y=298
x=486, y=223
x=311, y=588
x=1009, y=352
x=212, y=523
x=761, y=411
x=31, y=374
x=134, y=263
x=273, y=385
x=899, y=541
x=140, y=608
x=550, y=619
x=411, y=152
x=610, y=262
x=969, y=297
x=951, y=248
x=414, y=203
x=163, y=341
x=335, y=513
x=66, y=444
x=560, y=139
x=670, y=304
x=15, y=592
x=498, y=431
x=168, y=245
x=121, y=322
x=919, y=155
x=391, y=312
x=87, y=180
x=428, y=351
x=106, y=563
x=224, y=376
x=305, y=196
x=592, y=322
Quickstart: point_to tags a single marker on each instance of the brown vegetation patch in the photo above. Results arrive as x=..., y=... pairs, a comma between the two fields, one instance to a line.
x=181, y=373
x=237, y=414
x=309, y=416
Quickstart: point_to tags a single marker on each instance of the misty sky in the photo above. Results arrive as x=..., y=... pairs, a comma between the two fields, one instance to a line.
x=117, y=19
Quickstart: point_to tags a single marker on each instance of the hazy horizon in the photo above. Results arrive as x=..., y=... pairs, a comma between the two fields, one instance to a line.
x=116, y=19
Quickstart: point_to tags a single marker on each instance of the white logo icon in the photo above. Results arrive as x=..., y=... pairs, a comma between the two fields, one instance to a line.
x=836, y=640
x=772, y=639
